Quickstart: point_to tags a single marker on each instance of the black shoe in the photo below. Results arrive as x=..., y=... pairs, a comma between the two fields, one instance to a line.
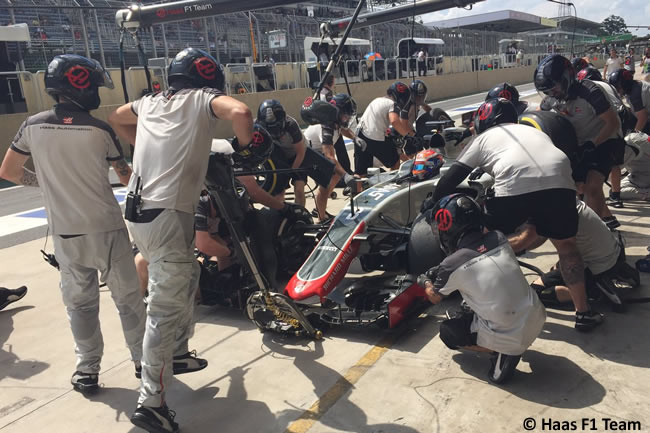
x=615, y=202
x=503, y=366
x=85, y=383
x=9, y=296
x=588, y=320
x=187, y=363
x=155, y=419
x=612, y=222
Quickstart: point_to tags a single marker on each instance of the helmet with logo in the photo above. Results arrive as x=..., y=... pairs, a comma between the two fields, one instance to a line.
x=196, y=68
x=504, y=90
x=256, y=153
x=419, y=91
x=623, y=80
x=589, y=73
x=317, y=111
x=454, y=216
x=272, y=117
x=579, y=64
x=346, y=106
x=427, y=164
x=400, y=93
x=554, y=76
x=494, y=112
x=77, y=79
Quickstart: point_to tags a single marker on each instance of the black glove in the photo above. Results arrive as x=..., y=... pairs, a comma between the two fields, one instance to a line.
x=429, y=275
x=294, y=212
x=476, y=173
x=412, y=144
x=428, y=203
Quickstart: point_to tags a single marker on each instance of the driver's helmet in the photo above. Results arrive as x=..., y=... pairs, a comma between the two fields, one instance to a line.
x=427, y=164
x=400, y=93
x=494, y=112
x=554, y=76
x=256, y=153
x=454, y=216
x=589, y=73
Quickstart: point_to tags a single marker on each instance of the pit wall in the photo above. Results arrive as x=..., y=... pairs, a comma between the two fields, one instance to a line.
x=440, y=87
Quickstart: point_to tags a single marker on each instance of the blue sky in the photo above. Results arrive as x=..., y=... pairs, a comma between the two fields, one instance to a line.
x=635, y=12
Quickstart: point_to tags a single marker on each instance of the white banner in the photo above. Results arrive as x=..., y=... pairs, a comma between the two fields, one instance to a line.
x=277, y=40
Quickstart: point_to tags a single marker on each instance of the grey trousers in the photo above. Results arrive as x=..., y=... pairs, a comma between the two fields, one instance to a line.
x=80, y=258
x=167, y=243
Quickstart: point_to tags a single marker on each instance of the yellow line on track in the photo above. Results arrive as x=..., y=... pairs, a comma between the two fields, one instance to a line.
x=342, y=386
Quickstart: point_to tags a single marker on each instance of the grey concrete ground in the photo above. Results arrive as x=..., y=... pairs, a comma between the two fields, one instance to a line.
x=370, y=381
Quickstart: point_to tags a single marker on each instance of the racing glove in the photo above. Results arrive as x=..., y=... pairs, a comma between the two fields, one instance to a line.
x=361, y=143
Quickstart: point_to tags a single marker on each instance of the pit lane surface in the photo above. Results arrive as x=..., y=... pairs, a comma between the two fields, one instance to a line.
x=355, y=380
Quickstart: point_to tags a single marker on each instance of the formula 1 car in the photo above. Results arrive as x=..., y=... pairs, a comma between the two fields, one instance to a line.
x=380, y=233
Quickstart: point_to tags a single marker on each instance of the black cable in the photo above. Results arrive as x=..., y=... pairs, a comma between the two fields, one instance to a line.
x=123, y=66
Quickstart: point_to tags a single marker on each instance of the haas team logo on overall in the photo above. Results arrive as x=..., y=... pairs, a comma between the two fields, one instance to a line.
x=506, y=94
x=78, y=77
x=206, y=68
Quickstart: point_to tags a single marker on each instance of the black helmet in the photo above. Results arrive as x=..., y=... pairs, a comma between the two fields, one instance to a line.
x=554, y=76
x=494, y=112
x=317, y=111
x=272, y=117
x=623, y=80
x=579, y=64
x=589, y=73
x=400, y=93
x=418, y=91
x=197, y=68
x=504, y=90
x=346, y=106
x=453, y=216
x=76, y=78
x=257, y=152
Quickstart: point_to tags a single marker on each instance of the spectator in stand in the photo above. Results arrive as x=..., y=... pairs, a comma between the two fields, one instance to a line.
x=613, y=64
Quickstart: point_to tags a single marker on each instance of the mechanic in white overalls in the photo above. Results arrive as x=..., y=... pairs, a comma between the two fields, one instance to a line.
x=72, y=152
x=172, y=132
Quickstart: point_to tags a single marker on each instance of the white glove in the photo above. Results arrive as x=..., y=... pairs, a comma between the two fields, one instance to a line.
x=361, y=143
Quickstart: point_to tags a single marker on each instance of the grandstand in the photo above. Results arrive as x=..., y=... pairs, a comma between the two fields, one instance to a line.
x=88, y=27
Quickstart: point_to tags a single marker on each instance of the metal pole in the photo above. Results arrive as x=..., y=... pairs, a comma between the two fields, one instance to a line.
x=99, y=36
x=216, y=38
x=205, y=34
x=85, y=33
x=21, y=62
x=162, y=30
x=153, y=42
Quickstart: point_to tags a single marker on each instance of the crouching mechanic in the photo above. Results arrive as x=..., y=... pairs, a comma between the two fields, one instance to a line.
x=636, y=186
x=638, y=95
x=289, y=142
x=532, y=183
x=172, y=132
x=72, y=152
x=601, y=251
x=506, y=315
x=381, y=113
x=321, y=138
x=596, y=122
